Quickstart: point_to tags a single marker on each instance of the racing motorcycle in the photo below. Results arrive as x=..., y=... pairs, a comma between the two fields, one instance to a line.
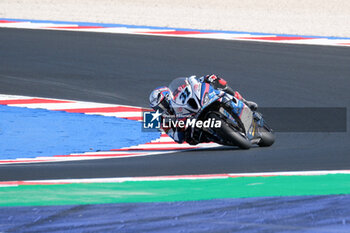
x=239, y=125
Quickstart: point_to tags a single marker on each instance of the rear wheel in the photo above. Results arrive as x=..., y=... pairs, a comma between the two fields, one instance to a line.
x=229, y=135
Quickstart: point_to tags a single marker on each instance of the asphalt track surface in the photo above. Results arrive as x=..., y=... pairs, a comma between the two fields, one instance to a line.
x=123, y=69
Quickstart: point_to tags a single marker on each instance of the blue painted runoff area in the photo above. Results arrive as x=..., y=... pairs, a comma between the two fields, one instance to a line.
x=28, y=133
x=166, y=28
x=254, y=215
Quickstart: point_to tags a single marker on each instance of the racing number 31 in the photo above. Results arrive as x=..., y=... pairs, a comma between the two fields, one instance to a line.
x=184, y=95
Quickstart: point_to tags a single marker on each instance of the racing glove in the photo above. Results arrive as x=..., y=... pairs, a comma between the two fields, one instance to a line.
x=219, y=83
x=215, y=81
x=252, y=105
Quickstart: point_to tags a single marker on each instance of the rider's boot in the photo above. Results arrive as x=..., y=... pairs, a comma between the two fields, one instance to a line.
x=252, y=105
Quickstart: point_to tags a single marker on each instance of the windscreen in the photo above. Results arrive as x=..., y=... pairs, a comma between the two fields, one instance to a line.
x=177, y=85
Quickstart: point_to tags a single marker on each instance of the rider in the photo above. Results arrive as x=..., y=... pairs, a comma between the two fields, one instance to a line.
x=160, y=99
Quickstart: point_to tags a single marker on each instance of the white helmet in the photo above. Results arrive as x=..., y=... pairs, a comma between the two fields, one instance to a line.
x=160, y=99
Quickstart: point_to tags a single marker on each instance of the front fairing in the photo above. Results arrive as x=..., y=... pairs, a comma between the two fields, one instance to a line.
x=185, y=100
x=190, y=96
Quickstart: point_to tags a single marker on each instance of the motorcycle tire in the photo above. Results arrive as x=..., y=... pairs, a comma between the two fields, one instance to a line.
x=267, y=138
x=232, y=137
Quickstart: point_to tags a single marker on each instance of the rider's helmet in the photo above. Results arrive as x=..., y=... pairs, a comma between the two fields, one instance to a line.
x=160, y=99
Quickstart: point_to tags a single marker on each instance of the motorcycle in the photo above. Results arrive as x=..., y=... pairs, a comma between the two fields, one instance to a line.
x=239, y=125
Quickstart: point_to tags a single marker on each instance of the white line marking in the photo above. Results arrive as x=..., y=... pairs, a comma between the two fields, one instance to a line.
x=293, y=39
x=179, y=177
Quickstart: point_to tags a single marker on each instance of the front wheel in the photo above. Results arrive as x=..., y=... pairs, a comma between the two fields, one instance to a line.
x=229, y=135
